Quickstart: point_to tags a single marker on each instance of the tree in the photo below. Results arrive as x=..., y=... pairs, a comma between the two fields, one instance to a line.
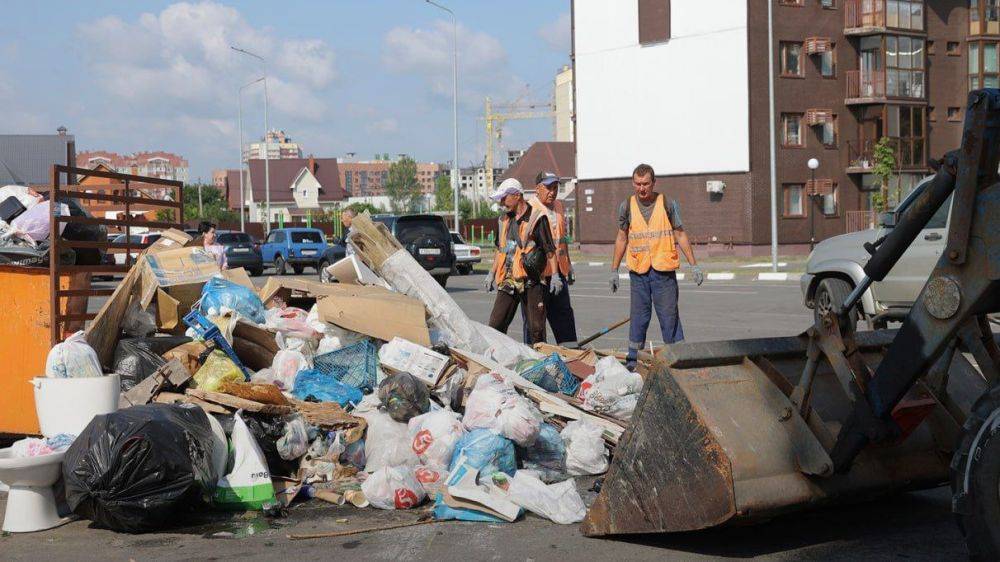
x=402, y=186
x=884, y=163
x=214, y=206
x=444, y=198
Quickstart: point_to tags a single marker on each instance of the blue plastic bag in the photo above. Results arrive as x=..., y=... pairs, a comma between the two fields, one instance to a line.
x=219, y=293
x=553, y=375
x=323, y=387
x=355, y=365
x=547, y=455
x=485, y=451
x=443, y=511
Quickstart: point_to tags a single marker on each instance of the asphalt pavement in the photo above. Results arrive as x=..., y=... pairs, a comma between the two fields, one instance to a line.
x=904, y=526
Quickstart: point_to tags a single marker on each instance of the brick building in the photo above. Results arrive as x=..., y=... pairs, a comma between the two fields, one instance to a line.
x=156, y=164
x=683, y=85
x=367, y=178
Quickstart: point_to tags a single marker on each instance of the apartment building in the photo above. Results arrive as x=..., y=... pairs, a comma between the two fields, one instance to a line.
x=156, y=164
x=683, y=85
x=279, y=146
x=368, y=178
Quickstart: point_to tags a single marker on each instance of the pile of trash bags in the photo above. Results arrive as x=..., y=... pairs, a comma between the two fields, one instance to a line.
x=278, y=402
x=25, y=227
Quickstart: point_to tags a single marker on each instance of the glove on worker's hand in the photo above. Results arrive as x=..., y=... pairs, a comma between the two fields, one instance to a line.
x=555, y=286
x=490, y=284
x=698, y=275
x=613, y=281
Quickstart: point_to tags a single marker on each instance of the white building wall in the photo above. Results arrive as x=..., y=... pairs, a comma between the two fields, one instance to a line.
x=681, y=105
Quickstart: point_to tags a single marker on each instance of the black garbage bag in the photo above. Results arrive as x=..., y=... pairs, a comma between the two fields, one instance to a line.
x=84, y=233
x=403, y=396
x=137, y=358
x=267, y=430
x=142, y=468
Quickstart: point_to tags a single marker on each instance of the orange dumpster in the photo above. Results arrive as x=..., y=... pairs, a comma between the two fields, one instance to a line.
x=25, y=334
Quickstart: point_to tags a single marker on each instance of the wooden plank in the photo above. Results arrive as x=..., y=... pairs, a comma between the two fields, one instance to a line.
x=102, y=333
x=173, y=374
x=238, y=403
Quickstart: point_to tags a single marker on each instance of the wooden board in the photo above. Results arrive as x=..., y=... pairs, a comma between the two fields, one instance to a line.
x=237, y=403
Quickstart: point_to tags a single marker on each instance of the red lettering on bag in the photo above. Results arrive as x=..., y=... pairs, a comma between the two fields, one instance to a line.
x=422, y=441
x=425, y=475
x=405, y=498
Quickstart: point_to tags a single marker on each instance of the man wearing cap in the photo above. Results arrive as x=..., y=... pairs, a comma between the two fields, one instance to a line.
x=649, y=234
x=524, y=264
x=558, y=308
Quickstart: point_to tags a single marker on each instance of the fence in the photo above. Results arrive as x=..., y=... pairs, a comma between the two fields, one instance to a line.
x=860, y=220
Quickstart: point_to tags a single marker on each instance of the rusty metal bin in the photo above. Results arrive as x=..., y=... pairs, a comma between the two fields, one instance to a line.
x=26, y=337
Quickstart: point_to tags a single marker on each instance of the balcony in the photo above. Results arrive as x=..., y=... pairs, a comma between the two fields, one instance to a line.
x=870, y=17
x=910, y=155
x=880, y=86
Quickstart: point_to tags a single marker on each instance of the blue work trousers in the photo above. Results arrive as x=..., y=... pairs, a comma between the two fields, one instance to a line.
x=652, y=290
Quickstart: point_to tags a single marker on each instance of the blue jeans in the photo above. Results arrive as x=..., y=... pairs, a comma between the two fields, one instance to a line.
x=652, y=290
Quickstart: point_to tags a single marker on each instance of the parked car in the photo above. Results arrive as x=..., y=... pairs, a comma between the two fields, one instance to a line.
x=427, y=239
x=241, y=251
x=466, y=255
x=335, y=252
x=836, y=265
x=297, y=247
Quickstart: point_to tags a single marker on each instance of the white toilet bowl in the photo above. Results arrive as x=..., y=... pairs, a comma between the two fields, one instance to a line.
x=63, y=406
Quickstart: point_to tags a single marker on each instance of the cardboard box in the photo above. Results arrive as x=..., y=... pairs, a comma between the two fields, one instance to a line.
x=375, y=312
x=401, y=355
x=352, y=271
x=174, y=278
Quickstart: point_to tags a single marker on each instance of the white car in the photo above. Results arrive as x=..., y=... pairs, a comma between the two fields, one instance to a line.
x=466, y=255
x=836, y=265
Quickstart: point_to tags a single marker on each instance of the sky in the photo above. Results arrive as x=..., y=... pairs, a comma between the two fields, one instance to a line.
x=362, y=76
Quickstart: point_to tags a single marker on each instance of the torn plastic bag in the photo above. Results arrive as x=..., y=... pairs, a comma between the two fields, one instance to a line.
x=313, y=384
x=547, y=456
x=561, y=503
x=247, y=483
x=404, y=397
x=295, y=442
x=585, y=450
x=485, y=451
x=355, y=365
x=393, y=488
x=218, y=369
x=137, y=358
x=34, y=223
x=553, y=375
x=143, y=468
x=354, y=455
x=220, y=296
x=433, y=436
x=73, y=358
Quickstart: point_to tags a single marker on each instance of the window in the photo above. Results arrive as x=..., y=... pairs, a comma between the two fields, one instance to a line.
x=654, y=21
x=793, y=204
x=828, y=134
x=906, y=125
x=984, y=68
x=791, y=2
x=828, y=202
x=828, y=4
x=954, y=49
x=828, y=63
x=905, y=14
x=954, y=114
x=791, y=130
x=904, y=66
x=791, y=59
x=984, y=17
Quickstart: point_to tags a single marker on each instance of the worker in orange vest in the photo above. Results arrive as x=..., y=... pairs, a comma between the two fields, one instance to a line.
x=524, y=263
x=649, y=233
x=558, y=308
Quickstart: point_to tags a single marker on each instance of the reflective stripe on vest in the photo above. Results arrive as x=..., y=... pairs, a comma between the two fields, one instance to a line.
x=524, y=245
x=557, y=225
x=652, y=244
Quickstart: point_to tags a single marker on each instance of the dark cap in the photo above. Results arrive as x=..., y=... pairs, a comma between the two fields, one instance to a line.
x=546, y=178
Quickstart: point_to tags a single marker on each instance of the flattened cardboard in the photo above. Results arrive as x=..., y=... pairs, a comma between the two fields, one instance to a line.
x=425, y=364
x=352, y=271
x=375, y=312
x=175, y=278
x=170, y=239
x=240, y=277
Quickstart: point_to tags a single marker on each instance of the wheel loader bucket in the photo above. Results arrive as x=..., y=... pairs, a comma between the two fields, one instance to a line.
x=716, y=439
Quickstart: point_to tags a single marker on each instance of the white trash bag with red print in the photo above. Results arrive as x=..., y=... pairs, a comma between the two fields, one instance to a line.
x=433, y=436
x=434, y=479
x=393, y=487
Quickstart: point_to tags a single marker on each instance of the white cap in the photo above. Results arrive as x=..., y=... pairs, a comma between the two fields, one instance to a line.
x=509, y=186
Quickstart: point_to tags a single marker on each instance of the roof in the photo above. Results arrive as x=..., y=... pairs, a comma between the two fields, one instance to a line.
x=555, y=157
x=283, y=174
x=28, y=159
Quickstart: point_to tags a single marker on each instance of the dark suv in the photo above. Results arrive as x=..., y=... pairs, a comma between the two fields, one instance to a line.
x=241, y=251
x=427, y=239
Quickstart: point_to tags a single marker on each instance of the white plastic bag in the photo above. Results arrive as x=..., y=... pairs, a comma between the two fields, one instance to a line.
x=488, y=396
x=433, y=436
x=393, y=487
x=35, y=222
x=73, y=358
x=612, y=390
x=295, y=442
x=27, y=196
x=287, y=362
x=585, y=450
x=387, y=441
x=290, y=321
x=248, y=482
x=432, y=478
x=520, y=421
x=560, y=502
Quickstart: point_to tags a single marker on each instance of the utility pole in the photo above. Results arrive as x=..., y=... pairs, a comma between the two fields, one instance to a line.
x=267, y=168
x=243, y=197
x=201, y=211
x=771, y=141
x=454, y=107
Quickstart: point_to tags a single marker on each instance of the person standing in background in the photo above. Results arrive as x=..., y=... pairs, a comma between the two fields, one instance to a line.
x=347, y=218
x=218, y=251
x=649, y=234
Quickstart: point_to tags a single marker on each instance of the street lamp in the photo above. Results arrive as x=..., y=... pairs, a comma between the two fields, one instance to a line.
x=267, y=147
x=239, y=102
x=454, y=162
x=813, y=163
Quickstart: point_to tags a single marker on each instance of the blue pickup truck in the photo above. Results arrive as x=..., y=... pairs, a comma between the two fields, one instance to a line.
x=295, y=247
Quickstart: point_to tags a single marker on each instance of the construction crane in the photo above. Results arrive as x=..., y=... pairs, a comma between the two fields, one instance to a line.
x=496, y=115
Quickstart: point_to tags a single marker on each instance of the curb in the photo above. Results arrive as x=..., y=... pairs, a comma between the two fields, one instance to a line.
x=765, y=276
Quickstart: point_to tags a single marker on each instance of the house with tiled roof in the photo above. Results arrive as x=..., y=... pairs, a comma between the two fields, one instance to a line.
x=298, y=187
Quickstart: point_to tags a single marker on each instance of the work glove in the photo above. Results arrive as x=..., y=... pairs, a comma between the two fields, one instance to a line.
x=490, y=284
x=698, y=275
x=571, y=278
x=555, y=286
x=613, y=281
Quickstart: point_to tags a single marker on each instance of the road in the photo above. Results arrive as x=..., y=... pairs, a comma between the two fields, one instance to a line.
x=910, y=526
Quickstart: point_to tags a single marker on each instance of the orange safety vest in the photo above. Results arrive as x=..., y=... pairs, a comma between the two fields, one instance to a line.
x=523, y=246
x=557, y=224
x=651, y=245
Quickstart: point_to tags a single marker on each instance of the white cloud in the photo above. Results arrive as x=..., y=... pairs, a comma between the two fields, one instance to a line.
x=482, y=61
x=558, y=34
x=385, y=126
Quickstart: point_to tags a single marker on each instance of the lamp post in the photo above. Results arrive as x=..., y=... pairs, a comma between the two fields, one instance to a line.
x=454, y=108
x=239, y=103
x=813, y=163
x=267, y=147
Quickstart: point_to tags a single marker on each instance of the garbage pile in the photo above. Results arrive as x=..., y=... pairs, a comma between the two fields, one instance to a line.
x=25, y=228
x=236, y=398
